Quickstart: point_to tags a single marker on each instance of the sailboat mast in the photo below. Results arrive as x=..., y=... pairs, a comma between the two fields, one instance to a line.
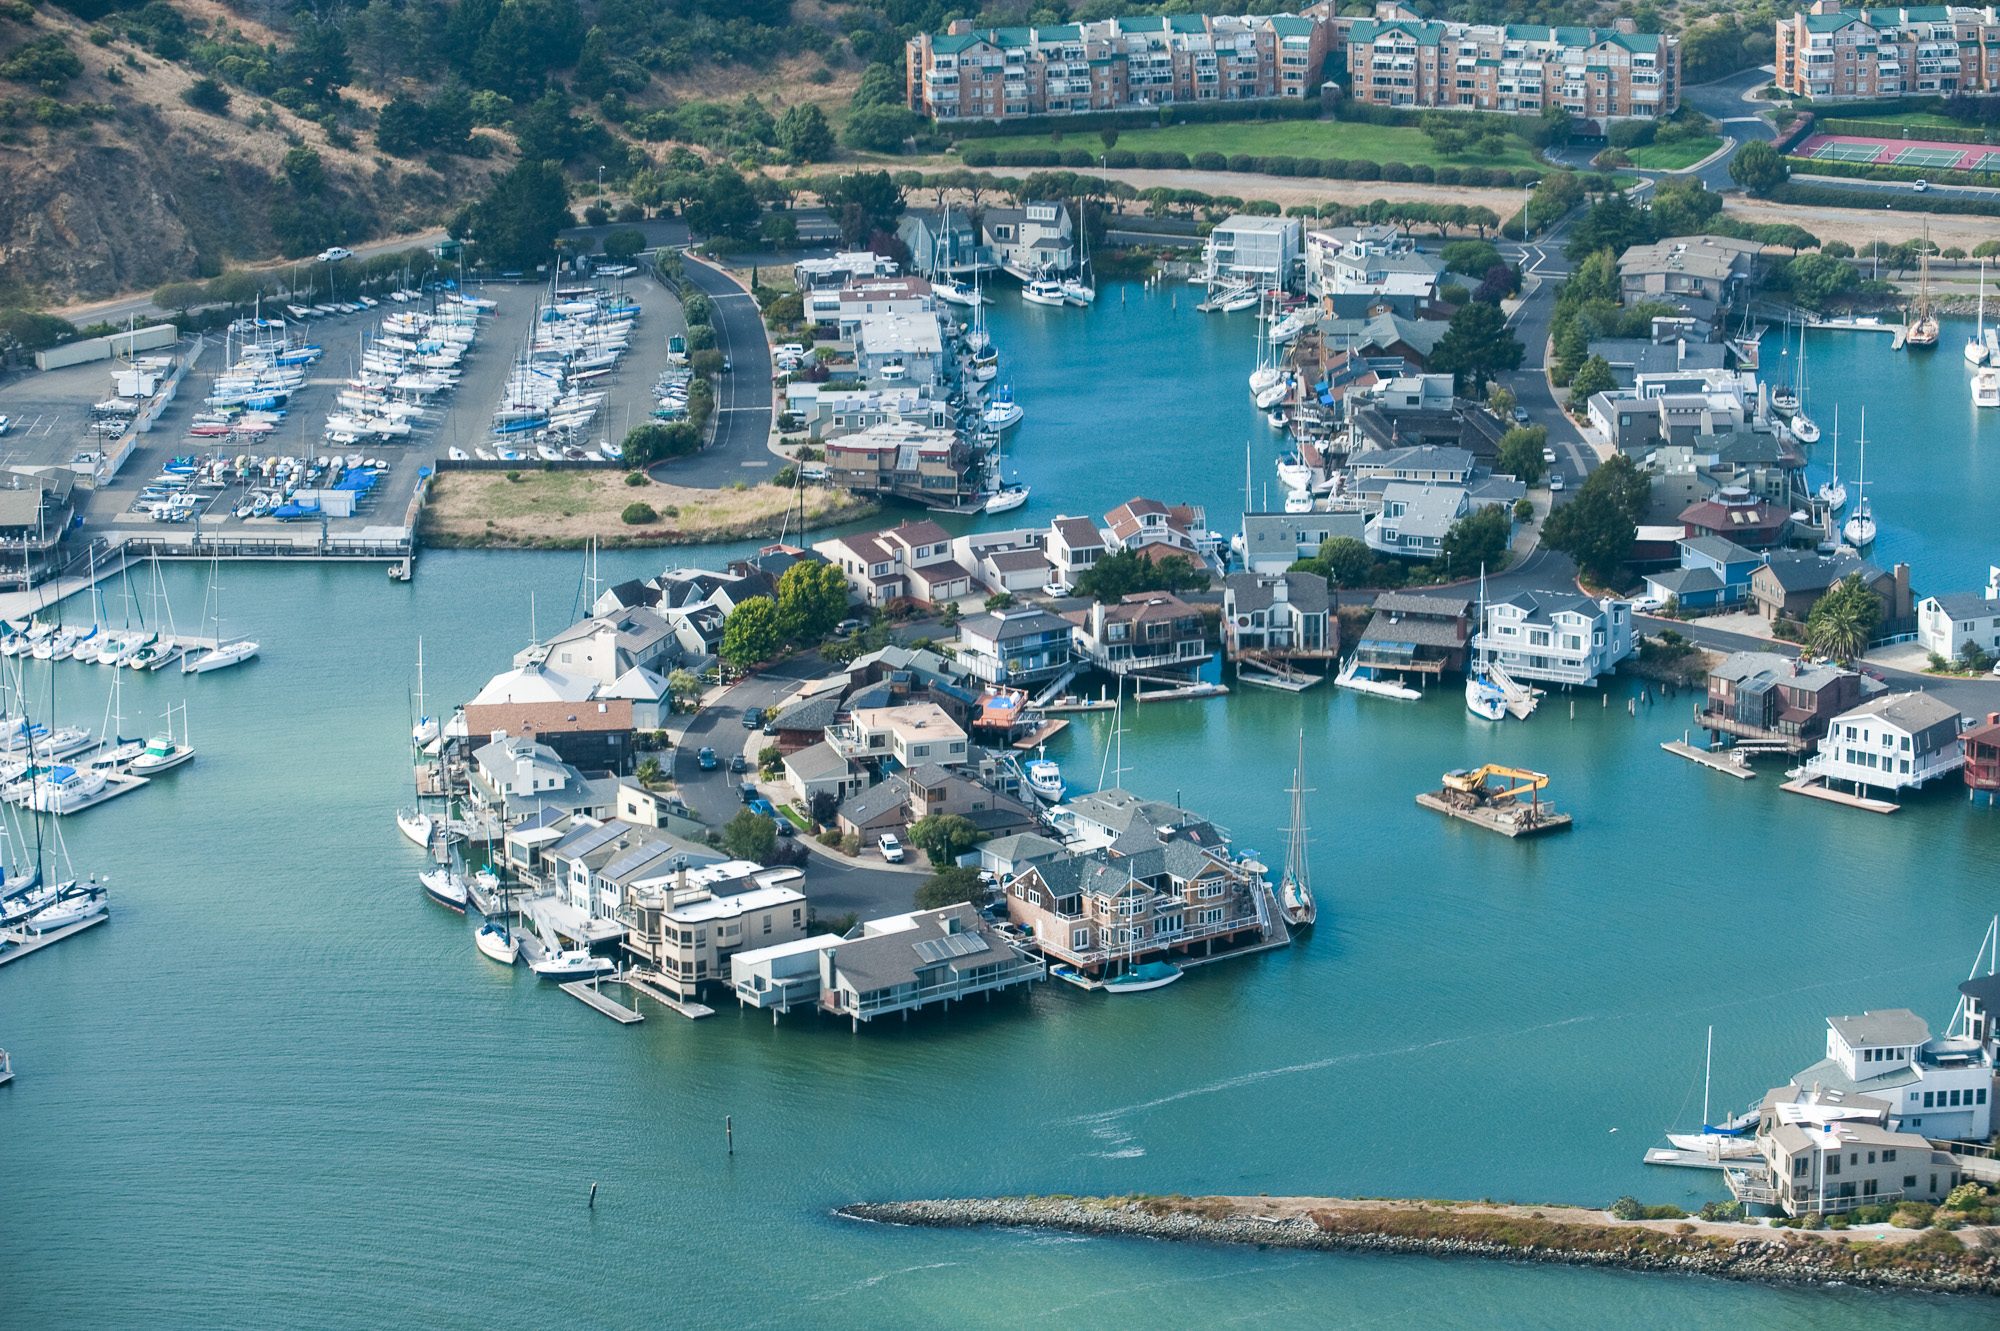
x=1708, y=1069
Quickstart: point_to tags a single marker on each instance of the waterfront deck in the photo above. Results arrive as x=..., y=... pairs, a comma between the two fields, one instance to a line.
x=1507, y=822
x=1815, y=787
x=18, y=943
x=1719, y=762
x=1042, y=734
x=641, y=984
x=586, y=992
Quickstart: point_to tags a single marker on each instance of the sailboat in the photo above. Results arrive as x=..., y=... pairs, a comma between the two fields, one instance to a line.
x=1859, y=529
x=1730, y=1141
x=426, y=728
x=1804, y=428
x=1784, y=398
x=498, y=942
x=1267, y=372
x=446, y=886
x=1924, y=328
x=1081, y=289
x=1295, y=896
x=1489, y=691
x=1002, y=495
x=1833, y=494
x=985, y=356
x=224, y=653
x=1975, y=346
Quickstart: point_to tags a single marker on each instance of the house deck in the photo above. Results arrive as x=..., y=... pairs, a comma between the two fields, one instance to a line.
x=1815, y=787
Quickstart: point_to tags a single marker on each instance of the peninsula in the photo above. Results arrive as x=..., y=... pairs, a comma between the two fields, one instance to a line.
x=1965, y=1262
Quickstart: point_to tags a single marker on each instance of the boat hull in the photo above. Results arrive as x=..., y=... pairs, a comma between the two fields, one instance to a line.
x=1152, y=975
x=498, y=944
x=444, y=889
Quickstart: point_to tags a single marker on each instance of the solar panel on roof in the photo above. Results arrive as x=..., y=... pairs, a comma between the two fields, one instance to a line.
x=951, y=945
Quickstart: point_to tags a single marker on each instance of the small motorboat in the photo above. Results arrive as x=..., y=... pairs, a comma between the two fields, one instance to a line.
x=1003, y=412
x=446, y=888
x=1043, y=293
x=1149, y=975
x=573, y=964
x=1045, y=779
x=497, y=942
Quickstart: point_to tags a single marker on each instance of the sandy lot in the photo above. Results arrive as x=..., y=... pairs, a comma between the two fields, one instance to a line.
x=1862, y=228
x=565, y=507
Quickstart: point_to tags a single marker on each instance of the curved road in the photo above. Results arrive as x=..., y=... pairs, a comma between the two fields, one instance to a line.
x=740, y=449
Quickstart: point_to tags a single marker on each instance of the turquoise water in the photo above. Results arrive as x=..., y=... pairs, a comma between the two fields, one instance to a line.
x=281, y=1087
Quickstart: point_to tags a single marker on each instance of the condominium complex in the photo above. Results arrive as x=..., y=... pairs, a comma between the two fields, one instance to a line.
x=1593, y=73
x=1115, y=64
x=1840, y=54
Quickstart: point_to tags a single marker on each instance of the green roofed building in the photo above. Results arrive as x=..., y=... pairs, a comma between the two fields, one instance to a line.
x=1829, y=53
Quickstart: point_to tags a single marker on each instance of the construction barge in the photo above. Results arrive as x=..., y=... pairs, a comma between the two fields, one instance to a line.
x=1468, y=796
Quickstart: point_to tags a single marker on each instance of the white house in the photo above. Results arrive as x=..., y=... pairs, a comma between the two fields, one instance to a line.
x=1342, y=260
x=1897, y=741
x=1260, y=251
x=1947, y=624
x=1415, y=518
x=899, y=349
x=1940, y=1086
x=1555, y=637
x=1075, y=544
x=1031, y=241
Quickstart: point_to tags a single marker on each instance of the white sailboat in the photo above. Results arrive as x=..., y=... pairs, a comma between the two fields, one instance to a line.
x=1833, y=494
x=1001, y=495
x=1804, y=428
x=1295, y=897
x=446, y=886
x=1975, y=346
x=498, y=942
x=1859, y=529
x=225, y=652
x=1490, y=693
x=1081, y=289
x=426, y=728
x=416, y=825
x=1732, y=1140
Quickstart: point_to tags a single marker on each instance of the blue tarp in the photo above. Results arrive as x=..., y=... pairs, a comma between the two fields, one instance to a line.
x=285, y=512
x=357, y=480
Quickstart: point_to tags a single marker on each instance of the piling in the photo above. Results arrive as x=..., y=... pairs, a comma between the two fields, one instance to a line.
x=593, y=1197
x=729, y=1131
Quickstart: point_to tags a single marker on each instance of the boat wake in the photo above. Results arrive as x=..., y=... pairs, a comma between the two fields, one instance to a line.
x=875, y=1280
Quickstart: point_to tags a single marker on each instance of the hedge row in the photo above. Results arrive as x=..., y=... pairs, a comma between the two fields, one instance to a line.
x=1324, y=168
x=1827, y=196
x=1929, y=133
x=1089, y=122
x=1890, y=106
x=1813, y=166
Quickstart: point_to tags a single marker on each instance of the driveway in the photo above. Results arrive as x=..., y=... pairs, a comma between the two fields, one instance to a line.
x=833, y=887
x=740, y=450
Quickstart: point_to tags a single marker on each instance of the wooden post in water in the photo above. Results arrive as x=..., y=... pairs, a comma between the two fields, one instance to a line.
x=729, y=1131
x=593, y=1197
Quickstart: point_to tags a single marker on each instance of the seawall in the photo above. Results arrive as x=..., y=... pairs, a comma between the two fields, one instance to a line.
x=1967, y=1262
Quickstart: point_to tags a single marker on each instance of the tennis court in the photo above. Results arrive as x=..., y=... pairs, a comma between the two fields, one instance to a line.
x=1889, y=152
x=1984, y=162
x=1930, y=158
x=1840, y=150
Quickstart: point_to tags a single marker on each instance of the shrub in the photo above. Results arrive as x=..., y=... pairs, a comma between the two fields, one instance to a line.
x=1668, y=1212
x=206, y=94
x=1448, y=175
x=1912, y=1215
x=1077, y=157
x=1628, y=1208
x=1362, y=171
x=851, y=844
x=1423, y=173
x=1723, y=1211
x=1399, y=171
x=1120, y=159
x=514, y=476
x=638, y=514
x=1210, y=162
x=637, y=478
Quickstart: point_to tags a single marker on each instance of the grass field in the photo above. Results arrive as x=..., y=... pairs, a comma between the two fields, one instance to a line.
x=1674, y=156
x=1860, y=112
x=1279, y=138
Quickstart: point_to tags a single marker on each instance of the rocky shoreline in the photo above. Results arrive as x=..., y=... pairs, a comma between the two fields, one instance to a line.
x=1929, y=1260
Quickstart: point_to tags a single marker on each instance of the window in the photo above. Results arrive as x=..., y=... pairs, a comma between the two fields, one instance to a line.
x=1909, y=1180
x=1927, y=1100
x=1209, y=916
x=1888, y=1157
x=1211, y=890
x=1833, y=1163
x=1079, y=939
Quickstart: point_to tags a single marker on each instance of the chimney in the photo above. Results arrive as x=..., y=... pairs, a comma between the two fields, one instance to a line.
x=1281, y=590
x=959, y=27
x=1680, y=353
x=1903, y=591
x=1097, y=621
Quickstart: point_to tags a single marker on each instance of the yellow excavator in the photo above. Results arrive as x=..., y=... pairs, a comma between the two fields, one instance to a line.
x=1470, y=789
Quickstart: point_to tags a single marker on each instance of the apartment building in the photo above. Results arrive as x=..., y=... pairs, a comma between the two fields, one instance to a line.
x=1834, y=54
x=1115, y=64
x=1593, y=73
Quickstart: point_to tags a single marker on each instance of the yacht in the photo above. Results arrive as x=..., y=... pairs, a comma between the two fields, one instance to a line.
x=1272, y=396
x=1295, y=898
x=1350, y=677
x=1804, y=429
x=65, y=789
x=986, y=365
x=1044, y=293
x=215, y=658
x=1298, y=501
x=1010, y=495
x=1294, y=474
x=571, y=964
x=1045, y=780
x=497, y=942
x=162, y=753
x=446, y=888
x=74, y=905
x=954, y=292
x=1986, y=387
x=1003, y=412
x=1834, y=494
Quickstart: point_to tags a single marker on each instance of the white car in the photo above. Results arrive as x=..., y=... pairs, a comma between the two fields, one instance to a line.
x=1548, y=455
x=892, y=849
x=1921, y=186
x=1555, y=482
x=1055, y=589
x=335, y=255
x=1646, y=605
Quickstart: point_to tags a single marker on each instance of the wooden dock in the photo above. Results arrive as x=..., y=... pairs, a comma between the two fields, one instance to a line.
x=1297, y=682
x=1079, y=705
x=583, y=990
x=1504, y=821
x=1715, y=761
x=1183, y=691
x=1667, y=1155
x=1043, y=733
x=18, y=943
x=692, y=1011
x=1813, y=786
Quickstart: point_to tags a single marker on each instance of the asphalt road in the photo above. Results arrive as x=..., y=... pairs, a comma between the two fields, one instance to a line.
x=834, y=887
x=741, y=447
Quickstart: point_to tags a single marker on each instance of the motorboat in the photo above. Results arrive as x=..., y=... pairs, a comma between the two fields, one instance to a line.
x=1045, y=780
x=570, y=964
x=497, y=942
x=215, y=658
x=1986, y=387
x=1003, y=412
x=416, y=825
x=120, y=754
x=1298, y=501
x=446, y=888
x=65, y=789
x=1078, y=293
x=1277, y=419
x=1350, y=677
x=1043, y=293
x=160, y=754
x=1295, y=897
x=1140, y=978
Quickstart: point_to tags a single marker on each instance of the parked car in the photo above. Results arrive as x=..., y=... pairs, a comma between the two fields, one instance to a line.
x=335, y=255
x=771, y=725
x=1521, y=416
x=1548, y=455
x=847, y=626
x=1646, y=605
x=707, y=760
x=738, y=763
x=761, y=805
x=747, y=792
x=752, y=717
x=892, y=849
x=785, y=827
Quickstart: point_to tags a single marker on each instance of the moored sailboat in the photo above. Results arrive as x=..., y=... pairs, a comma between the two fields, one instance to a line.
x=1295, y=897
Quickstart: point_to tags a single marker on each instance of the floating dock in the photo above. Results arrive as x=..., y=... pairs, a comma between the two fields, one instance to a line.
x=639, y=984
x=1079, y=705
x=1667, y=1155
x=583, y=990
x=18, y=943
x=116, y=784
x=1043, y=733
x=1813, y=786
x=1184, y=691
x=1719, y=762
x=1506, y=821
x=1296, y=683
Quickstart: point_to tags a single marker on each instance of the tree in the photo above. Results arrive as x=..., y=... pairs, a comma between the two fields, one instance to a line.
x=1477, y=346
x=724, y=207
x=318, y=60
x=880, y=129
x=1108, y=137
x=651, y=442
x=1758, y=167
x=952, y=886
x=803, y=133
x=863, y=203
x=206, y=94
x=751, y=633
x=623, y=243
x=1843, y=620
x=516, y=223
x=1348, y=561
x=781, y=231
x=749, y=836
x=1611, y=223
x=1521, y=453
x=1593, y=376
x=812, y=598
x=683, y=684
x=402, y=128
x=180, y=297
x=1500, y=402
x=944, y=836
x=1596, y=528
x=1816, y=279
x=1477, y=541
x=1112, y=578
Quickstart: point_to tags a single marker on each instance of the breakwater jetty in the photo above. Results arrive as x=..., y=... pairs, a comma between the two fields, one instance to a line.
x=1962, y=1262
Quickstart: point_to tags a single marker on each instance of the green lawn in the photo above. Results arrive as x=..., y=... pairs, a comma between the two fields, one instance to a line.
x=1674, y=156
x=1279, y=138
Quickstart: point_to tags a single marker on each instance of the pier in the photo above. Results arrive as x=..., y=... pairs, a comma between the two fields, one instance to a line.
x=586, y=992
x=1815, y=786
x=1719, y=762
x=18, y=943
x=1678, y=1159
x=639, y=983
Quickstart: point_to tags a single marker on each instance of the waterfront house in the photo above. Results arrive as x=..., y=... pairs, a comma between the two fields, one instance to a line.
x=1278, y=616
x=686, y=931
x=1736, y=515
x=1144, y=631
x=1769, y=699
x=1751, y=461
x=535, y=682
x=822, y=769
x=1031, y=241
x=903, y=963
x=942, y=242
x=1791, y=581
x=1697, y=271
x=1074, y=545
x=937, y=790
x=1414, y=519
x=1950, y=623
x=646, y=693
x=900, y=349
x=1261, y=252
x=1630, y=357
x=913, y=560
x=37, y=511
x=1713, y=572
x=1421, y=464
x=594, y=736
x=922, y=463
x=1898, y=741
x=1016, y=647
x=1273, y=542
x=1411, y=632
x=1555, y=637
x=1116, y=817
x=871, y=297
x=1005, y=561
x=1982, y=758
x=518, y=776
x=1372, y=260
x=823, y=411
x=1826, y=1151
x=905, y=737
x=1386, y=336
x=603, y=647
x=1939, y=1086
x=837, y=270
x=1139, y=523
x=586, y=872
x=1005, y=856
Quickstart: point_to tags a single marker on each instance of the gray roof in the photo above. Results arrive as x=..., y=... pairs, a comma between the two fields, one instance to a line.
x=1254, y=591
x=1684, y=581
x=928, y=775
x=1799, y=572
x=1719, y=548
x=877, y=801
x=1787, y=670
x=817, y=762
x=1911, y=712
x=1407, y=603
x=1646, y=356
x=882, y=961
x=1484, y=488
x=1119, y=810
x=1279, y=534
x=1961, y=606
x=993, y=628
x=1415, y=631
x=1384, y=331
x=1428, y=510
x=1542, y=607
x=1021, y=848
x=815, y=713
x=1829, y=1075
x=1890, y=1026
x=1421, y=457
